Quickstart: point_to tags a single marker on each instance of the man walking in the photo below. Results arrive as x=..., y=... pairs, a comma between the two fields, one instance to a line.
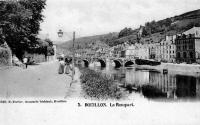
x=25, y=61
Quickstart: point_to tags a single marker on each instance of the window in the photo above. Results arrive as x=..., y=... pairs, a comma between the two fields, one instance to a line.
x=191, y=55
x=178, y=55
x=184, y=55
x=190, y=46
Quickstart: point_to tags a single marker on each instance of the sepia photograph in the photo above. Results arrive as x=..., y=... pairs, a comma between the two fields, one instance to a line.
x=96, y=62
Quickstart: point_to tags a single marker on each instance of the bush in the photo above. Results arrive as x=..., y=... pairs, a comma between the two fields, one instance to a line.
x=5, y=56
x=99, y=86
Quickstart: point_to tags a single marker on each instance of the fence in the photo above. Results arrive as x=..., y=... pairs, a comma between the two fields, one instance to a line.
x=38, y=58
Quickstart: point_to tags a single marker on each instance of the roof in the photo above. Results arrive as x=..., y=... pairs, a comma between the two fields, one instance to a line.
x=194, y=30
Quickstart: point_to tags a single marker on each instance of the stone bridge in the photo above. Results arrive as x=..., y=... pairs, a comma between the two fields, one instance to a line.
x=104, y=61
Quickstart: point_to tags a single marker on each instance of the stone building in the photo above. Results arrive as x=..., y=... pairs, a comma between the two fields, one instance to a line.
x=119, y=50
x=168, y=49
x=157, y=51
x=188, y=46
x=152, y=51
x=141, y=51
x=131, y=51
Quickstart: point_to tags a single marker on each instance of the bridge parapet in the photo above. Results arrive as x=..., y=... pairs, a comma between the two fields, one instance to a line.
x=119, y=61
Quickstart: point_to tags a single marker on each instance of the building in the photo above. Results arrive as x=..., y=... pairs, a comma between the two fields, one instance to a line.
x=141, y=51
x=130, y=51
x=157, y=51
x=119, y=50
x=152, y=51
x=137, y=50
x=188, y=46
x=168, y=49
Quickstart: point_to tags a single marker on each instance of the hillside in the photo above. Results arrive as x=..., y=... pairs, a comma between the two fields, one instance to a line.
x=85, y=42
x=151, y=32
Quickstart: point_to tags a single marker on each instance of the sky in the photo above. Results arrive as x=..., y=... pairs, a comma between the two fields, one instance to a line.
x=94, y=17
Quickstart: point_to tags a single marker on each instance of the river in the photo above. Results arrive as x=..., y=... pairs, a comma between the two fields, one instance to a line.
x=176, y=86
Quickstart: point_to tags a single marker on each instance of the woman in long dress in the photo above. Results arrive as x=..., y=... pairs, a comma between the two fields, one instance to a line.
x=67, y=65
x=61, y=66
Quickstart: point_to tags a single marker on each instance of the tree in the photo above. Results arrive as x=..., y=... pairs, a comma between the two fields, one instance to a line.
x=125, y=32
x=144, y=32
x=20, y=23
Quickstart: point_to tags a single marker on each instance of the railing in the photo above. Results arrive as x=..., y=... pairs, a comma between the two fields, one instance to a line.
x=111, y=57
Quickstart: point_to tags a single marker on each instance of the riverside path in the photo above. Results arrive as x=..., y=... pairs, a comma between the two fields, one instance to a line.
x=40, y=81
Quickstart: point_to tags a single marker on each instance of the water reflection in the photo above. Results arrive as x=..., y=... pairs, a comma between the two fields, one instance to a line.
x=172, y=85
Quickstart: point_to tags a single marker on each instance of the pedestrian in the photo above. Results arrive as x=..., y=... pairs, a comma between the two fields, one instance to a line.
x=61, y=66
x=25, y=61
x=67, y=65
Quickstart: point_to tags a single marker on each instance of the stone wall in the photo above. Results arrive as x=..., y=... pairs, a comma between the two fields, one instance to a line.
x=38, y=58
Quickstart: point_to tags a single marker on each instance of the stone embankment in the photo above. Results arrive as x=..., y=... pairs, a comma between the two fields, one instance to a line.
x=185, y=68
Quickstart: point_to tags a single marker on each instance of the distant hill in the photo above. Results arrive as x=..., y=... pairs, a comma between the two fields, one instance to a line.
x=85, y=42
x=152, y=31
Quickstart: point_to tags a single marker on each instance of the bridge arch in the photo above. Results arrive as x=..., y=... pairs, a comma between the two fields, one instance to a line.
x=128, y=63
x=103, y=63
x=118, y=63
x=86, y=62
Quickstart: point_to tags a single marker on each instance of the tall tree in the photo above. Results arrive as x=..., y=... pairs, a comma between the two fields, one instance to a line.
x=20, y=23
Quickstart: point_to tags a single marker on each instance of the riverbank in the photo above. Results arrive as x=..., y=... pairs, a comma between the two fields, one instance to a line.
x=99, y=86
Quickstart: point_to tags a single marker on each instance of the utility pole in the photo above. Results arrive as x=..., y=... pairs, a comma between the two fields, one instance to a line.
x=73, y=70
x=73, y=60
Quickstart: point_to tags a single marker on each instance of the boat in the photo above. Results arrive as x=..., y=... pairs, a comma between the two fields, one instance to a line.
x=165, y=71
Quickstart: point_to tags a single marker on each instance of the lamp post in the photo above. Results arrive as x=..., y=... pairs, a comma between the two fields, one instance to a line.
x=60, y=34
x=73, y=57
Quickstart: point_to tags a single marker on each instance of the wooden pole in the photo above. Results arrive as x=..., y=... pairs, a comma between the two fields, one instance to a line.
x=73, y=71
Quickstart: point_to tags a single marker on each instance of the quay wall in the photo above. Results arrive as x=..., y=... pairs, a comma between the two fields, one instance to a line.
x=172, y=67
x=183, y=67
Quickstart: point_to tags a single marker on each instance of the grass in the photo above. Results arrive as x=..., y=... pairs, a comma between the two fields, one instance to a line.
x=99, y=86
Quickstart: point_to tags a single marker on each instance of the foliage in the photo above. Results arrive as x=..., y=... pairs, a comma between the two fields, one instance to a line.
x=44, y=47
x=90, y=42
x=125, y=32
x=20, y=23
x=50, y=50
x=173, y=23
x=99, y=86
x=154, y=30
x=5, y=54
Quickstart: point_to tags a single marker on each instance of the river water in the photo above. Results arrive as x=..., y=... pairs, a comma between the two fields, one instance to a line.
x=174, y=85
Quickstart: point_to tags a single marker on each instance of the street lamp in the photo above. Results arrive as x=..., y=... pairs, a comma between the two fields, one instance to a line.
x=60, y=34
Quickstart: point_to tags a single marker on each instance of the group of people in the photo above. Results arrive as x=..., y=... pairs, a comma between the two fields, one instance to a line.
x=64, y=65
